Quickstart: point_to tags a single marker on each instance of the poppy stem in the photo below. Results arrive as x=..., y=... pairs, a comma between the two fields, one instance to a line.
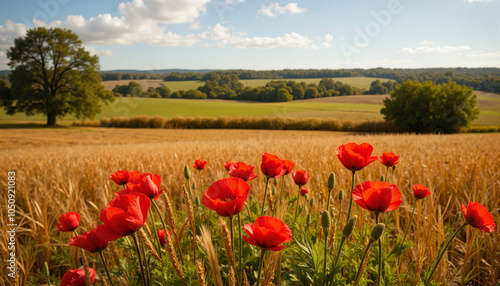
x=442, y=254
x=201, y=186
x=411, y=220
x=350, y=201
x=262, y=252
x=379, y=254
x=164, y=227
x=325, y=253
x=264, y=200
x=357, y=277
x=231, y=232
x=105, y=267
x=140, y=260
x=241, y=248
x=297, y=208
x=386, y=174
x=338, y=252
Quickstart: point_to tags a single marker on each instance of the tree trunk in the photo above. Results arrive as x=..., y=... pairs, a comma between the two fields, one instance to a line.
x=51, y=118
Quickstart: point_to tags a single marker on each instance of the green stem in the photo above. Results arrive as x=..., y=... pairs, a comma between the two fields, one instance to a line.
x=231, y=232
x=411, y=220
x=155, y=233
x=379, y=254
x=325, y=235
x=264, y=200
x=297, y=208
x=201, y=186
x=361, y=263
x=442, y=253
x=338, y=252
x=350, y=201
x=328, y=200
x=140, y=260
x=106, y=268
x=241, y=249
x=262, y=252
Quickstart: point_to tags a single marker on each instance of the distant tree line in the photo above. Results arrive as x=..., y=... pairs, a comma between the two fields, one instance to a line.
x=484, y=79
x=133, y=89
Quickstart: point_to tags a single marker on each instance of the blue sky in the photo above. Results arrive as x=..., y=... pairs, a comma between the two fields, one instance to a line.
x=257, y=34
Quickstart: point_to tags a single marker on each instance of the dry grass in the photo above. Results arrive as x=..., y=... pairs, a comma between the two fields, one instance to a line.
x=61, y=176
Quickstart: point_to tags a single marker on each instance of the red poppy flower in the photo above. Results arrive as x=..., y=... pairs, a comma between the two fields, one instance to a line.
x=226, y=196
x=304, y=191
x=272, y=166
x=227, y=164
x=89, y=241
x=161, y=236
x=288, y=166
x=420, y=191
x=479, y=217
x=200, y=164
x=268, y=233
x=389, y=159
x=242, y=171
x=68, y=222
x=148, y=184
x=300, y=177
x=76, y=277
x=377, y=196
x=123, y=216
x=355, y=157
x=123, y=177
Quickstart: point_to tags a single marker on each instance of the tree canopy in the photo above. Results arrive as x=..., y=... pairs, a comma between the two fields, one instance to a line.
x=427, y=107
x=54, y=75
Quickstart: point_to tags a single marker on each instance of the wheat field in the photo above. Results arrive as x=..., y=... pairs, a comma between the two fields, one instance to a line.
x=58, y=171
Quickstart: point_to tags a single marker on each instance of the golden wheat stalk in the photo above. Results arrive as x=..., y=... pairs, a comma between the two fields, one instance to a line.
x=200, y=271
x=189, y=206
x=270, y=201
x=331, y=238
x=270, y=267
x=232, y=277
x=245, y=279
x=173, y=258
x=205, y=239
x=170, y=218
x=149, y=244
x=226, y=240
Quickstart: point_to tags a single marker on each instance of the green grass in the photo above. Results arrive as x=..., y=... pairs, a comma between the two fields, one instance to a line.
x=125, y=107
x=359, y=82
x=183, y=85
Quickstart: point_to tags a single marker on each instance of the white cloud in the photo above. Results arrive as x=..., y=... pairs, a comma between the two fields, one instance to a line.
x=9, y=31
x=473, y=1
x=103, y=53
x=434, y=50
x=481, y=54
x=288, y=40
x=273, y=9
x=426, y=43
x=162, y=11
x=229, y=2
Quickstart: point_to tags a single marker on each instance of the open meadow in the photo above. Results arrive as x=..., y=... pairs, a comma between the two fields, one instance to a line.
x=67, y=169
x=354, y=107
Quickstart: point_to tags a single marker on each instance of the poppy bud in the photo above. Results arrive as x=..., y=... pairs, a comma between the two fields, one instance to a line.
x=332, y=210
x=377, y=232
x=46, y=269
x=187, y=172
x=311, y=202
x=394, y=168
x=193, y=186
x=274, y=191
x=197, y=201
x=331, y=182
x=341, y=195
x=308, y=219
x=349, y=227
x=325, y=220
x=250, y=198
x=382, y=178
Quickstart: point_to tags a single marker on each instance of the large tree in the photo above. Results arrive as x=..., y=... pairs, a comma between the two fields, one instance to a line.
x=54, y=75
x=427, y=107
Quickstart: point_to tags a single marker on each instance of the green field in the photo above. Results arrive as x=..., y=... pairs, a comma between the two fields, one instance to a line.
x=345, y=107
x=359, y=82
